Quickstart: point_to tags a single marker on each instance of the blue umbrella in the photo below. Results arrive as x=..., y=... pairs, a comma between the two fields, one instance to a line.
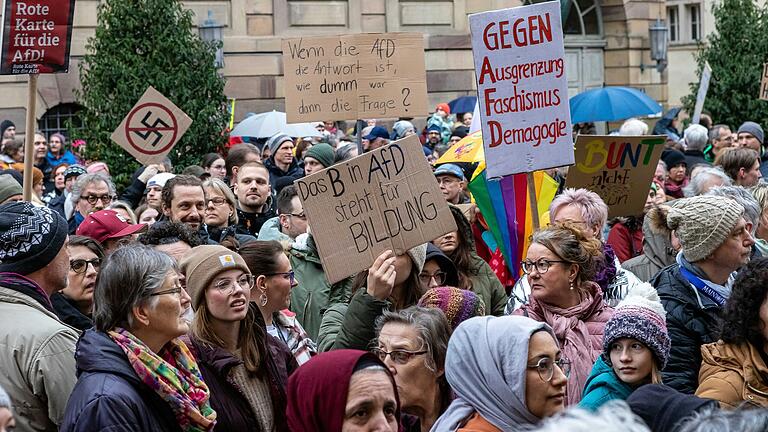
x=463, y=104
x=611, y=104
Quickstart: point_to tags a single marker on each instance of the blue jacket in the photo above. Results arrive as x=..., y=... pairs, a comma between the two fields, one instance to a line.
x=602, y=386
x=109, y=396
x=68, y=158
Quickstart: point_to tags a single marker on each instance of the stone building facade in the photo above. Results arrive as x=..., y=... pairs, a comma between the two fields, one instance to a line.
x=606, y=42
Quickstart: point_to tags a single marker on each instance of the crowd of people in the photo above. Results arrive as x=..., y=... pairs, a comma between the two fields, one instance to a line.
x=194, y=298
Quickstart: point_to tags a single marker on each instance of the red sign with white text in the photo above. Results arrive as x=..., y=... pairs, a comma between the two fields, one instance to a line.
x=36, y=36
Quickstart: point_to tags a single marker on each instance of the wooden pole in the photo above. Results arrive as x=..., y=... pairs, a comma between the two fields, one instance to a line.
x=359, y=126
x=29, y=136
x=534, y=204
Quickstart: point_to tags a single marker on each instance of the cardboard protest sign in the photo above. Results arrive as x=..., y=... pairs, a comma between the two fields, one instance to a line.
x=36, y=36
x=706, y=76
x=384, y=199
x=522, y=88
x=618, y=168
x=370, y=75
x=764, y=83
x=152, y=127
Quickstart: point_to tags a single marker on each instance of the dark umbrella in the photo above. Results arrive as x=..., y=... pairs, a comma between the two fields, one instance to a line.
x=463, y=104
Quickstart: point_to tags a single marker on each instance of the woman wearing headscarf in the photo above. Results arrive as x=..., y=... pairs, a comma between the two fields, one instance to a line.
x=560, y=267
x=343, y=390
x=133, y=371
x=237, y=358
x=506, y=373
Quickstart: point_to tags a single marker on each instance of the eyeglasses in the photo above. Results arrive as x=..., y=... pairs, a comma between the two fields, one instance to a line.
x=92, y=199
x=81, y=265
x=217, y=201
x=542, y=265
x=546, y=367
x=438, y=277
x=302, y=215
x=289, y=274
x=227, y=286
x=175, y=291
x=398, y=356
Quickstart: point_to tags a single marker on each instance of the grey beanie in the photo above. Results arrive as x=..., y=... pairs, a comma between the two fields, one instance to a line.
x=754, y=129
x=703, y=223
x=418, y=255
x=9, y=187
x=275, y=140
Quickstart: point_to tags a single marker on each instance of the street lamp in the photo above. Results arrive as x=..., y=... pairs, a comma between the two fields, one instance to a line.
x=210, y=31
x=659, y=43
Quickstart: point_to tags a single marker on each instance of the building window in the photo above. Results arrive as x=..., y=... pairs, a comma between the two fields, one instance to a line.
x=674, y=24
x=694, y=12
x=56, y=119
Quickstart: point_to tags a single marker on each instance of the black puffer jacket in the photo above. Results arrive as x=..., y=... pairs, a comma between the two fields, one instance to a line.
x=692, y=321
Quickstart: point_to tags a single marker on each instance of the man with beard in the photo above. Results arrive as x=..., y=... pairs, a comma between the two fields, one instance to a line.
x=184, y=202
x=254, y=193
x=433, y=136
x=281, y=163
x=38, y=355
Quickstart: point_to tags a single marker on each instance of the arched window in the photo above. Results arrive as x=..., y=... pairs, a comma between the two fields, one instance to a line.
x=56, y=119
x=582, y=17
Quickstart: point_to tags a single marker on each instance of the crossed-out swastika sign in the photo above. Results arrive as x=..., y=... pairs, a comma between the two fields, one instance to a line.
x=152, y=127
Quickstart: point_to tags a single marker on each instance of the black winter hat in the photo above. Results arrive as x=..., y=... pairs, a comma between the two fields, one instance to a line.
x=5, y=124
x=672, y=157
x=30, y=237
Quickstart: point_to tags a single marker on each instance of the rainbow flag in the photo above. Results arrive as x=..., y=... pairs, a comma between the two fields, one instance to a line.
x=504, y=205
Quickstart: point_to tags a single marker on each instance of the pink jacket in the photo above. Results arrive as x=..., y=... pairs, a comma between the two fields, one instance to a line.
x=579, y=331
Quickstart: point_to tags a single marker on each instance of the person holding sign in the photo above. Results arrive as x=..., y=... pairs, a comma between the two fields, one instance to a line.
x=716, y=241
x=391, y=283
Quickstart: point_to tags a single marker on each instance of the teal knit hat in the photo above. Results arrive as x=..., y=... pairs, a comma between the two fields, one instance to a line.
x=322, y=152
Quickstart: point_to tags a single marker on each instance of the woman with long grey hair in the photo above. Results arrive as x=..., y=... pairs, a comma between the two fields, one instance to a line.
x=153, y=381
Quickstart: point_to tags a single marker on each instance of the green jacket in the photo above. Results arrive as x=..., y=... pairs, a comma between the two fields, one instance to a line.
x=488, y=287
x=353, y=325
x=313, y=294
x=602, y=386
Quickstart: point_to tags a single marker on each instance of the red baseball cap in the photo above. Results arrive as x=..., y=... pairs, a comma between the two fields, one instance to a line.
x=107, y=224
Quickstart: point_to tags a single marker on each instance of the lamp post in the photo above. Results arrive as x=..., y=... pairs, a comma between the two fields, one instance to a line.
x=659, y=44
x=210, y=31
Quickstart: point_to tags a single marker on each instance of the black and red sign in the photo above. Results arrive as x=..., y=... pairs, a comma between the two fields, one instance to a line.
x=36, y=36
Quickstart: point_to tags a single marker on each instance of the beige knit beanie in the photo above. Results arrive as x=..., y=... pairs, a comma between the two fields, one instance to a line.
x=703, y=223
x=203, y=263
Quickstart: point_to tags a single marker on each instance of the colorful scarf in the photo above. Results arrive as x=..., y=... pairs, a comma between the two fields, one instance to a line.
x=173, y=374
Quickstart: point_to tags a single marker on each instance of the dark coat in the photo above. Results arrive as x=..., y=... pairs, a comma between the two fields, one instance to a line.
x=294, y=171
x=692, y=321
x=250, y=223
x=69, y=313
x=693, y=158
x=109, y=396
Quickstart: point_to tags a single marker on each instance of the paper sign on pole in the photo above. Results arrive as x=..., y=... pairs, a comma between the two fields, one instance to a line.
x=384, y=199
x=370, y=75
x=152, y=127
x=36, y=36
x=764, y=83
x=618, y=168
x=706, y=75
x=522, y=88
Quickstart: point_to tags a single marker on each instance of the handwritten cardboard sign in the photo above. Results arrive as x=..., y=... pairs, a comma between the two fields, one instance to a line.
x=764, y=83
x=384, y=199
x=522, y=88
x=36, y=36
x=152, y=127
x=618, y=168
x=371, y=75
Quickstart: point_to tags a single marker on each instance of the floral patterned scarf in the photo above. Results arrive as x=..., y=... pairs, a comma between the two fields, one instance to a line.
x=173, y=374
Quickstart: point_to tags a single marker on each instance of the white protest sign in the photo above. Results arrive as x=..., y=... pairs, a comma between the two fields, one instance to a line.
x=706, y=75
x=522, y=88
x=764, y=83
x=152, y=127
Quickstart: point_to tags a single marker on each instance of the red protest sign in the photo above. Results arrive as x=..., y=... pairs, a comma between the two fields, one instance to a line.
x=36, y=36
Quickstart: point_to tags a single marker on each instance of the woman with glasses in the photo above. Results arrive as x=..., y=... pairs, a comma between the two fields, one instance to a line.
x=272, y=294
x=133, y=371
x=412, y=344
x=507, y=373
x=247, y=382
x=560, y=269
x=474, y=273
x=221, y=215
x=74, y=304
x=635, y=349
x=438, y=270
